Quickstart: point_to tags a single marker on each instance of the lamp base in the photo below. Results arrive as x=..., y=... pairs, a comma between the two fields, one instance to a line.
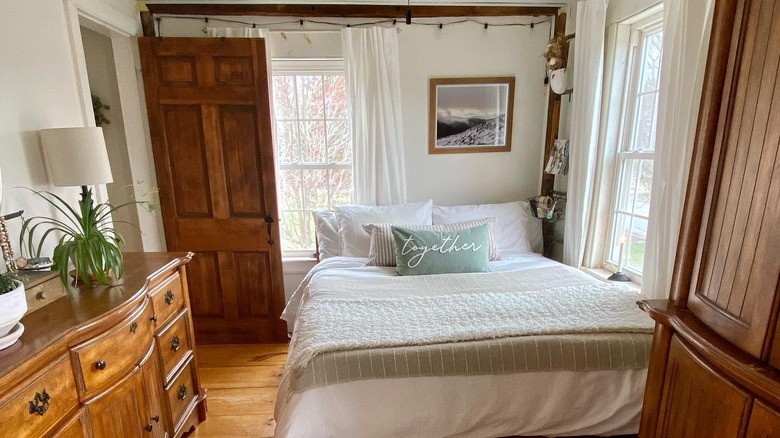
x=618, y=276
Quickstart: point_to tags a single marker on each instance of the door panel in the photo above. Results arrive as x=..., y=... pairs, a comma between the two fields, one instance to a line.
x=698, y=402
x=737, y=263
x=122, y=411
x=211, y=135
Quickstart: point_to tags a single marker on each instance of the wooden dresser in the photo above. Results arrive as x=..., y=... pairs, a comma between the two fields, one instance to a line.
x=715, y=363
x=107, y=362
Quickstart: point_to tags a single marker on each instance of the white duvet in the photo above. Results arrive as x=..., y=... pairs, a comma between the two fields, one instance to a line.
x=542, y=403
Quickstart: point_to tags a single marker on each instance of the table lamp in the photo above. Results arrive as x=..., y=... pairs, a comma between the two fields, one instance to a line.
x=76, y=157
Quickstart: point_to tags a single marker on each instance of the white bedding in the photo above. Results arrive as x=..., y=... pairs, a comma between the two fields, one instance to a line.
x=539, y=403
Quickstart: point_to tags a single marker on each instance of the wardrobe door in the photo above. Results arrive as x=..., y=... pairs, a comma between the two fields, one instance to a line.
x=737, y=267
x=697, y=401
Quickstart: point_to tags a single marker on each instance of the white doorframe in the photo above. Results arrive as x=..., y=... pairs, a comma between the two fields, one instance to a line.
x=121, y=29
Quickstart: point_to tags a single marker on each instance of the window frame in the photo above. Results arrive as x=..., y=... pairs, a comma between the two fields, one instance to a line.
x=302, y=67
x=639, y=28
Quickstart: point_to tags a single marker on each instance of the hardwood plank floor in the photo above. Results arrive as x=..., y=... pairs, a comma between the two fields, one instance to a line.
x=242, y=381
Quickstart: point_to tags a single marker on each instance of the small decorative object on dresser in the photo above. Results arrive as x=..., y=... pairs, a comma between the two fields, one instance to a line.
x=470, y=115
x=108, y=364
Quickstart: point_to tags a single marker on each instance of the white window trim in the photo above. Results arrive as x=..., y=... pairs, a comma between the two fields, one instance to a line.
x=303, y=66
x=616, y=72
x=650, y=21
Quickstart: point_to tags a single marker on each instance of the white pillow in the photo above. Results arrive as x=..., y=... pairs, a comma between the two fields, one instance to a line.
x=512, y=220
x=351, y=218
x=328, y=239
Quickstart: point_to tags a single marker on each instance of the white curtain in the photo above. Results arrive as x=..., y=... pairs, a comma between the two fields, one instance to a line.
x=586, y=108
x=686, y=38
x=373, y=77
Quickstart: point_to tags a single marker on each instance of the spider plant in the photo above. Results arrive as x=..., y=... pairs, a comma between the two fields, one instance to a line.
x=7, y=282
x=86, y=237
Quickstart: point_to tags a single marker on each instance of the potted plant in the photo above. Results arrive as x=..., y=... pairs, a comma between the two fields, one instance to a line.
x=85, y=237
x=13, y=303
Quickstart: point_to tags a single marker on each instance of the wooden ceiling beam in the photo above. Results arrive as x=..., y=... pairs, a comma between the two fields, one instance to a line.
x=347, y=11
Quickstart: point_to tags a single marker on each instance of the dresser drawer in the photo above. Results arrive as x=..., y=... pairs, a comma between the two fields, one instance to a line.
x=44, y=293
x=167, y=299
x=40, y=404
x=173, y=343
x=104, y=359
x=181, y=393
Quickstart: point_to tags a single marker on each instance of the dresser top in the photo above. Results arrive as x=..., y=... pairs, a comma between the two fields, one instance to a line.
x=74, y=316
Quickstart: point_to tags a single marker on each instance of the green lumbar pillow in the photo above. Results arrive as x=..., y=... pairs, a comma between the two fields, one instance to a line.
x=420, y=252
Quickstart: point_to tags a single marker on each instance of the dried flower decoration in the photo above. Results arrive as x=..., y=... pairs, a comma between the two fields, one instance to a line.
x=557, y=52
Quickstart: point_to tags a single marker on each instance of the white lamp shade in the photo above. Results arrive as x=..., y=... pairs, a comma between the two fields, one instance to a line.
x=76, y=156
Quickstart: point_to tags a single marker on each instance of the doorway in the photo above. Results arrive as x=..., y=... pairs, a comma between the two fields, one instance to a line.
x=104, y=91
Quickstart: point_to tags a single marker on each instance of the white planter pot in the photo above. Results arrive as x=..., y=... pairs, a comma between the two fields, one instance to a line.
x=558, y=81
x=13, y=306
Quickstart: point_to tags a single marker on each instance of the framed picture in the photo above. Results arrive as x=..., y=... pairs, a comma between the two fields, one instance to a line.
x=470, y=115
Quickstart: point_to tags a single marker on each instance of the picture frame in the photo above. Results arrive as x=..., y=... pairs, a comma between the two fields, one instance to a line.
x=470, y=115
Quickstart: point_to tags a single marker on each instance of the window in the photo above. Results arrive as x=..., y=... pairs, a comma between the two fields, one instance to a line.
x=631, y=197
x=313, y=144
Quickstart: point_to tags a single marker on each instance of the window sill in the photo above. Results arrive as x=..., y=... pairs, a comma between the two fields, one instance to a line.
x=603, y=274
x=298, y=265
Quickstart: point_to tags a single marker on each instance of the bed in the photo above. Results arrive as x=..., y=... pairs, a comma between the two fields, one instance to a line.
x=530, y=348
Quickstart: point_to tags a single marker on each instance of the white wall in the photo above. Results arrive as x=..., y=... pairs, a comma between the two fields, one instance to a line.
x=38, y=89
x=99, y=57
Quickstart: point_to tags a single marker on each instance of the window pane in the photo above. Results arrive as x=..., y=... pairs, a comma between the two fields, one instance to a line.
x=310, y=97
x=340, y=187
x=287, y=142
x=315, y=182
x=636, y=179
x=284, y=97
x=627, y=189
x=339, y=142
x=335, y=97
x=297, y=230
x=313, y=141
x=651, y=68
x=290, y=186
x=636, y=245
x=643, y=186
x=644, y=123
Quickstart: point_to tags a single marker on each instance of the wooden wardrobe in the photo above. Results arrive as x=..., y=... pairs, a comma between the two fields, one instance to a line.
x=715, y=363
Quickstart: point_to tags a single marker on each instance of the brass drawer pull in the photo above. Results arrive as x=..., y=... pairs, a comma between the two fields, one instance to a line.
x=148, y=427
x=175, y=343
x=133, y=327
x=181, y=394
x=40, y=404
x=153, y=318
x=169, y=297
x=156, y=418
x=101, y=365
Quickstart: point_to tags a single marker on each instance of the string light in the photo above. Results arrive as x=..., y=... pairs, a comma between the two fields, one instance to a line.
x=303, y=21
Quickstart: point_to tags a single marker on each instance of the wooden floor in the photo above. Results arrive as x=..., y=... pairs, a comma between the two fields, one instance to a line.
x=241, y=382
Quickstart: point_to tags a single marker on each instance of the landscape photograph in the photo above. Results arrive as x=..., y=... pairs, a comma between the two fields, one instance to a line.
x=471, y=114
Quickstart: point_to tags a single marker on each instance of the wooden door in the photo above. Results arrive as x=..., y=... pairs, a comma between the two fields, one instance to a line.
x=764, y=422
x=737, y=266
x=121, y=412
x=209, y=116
